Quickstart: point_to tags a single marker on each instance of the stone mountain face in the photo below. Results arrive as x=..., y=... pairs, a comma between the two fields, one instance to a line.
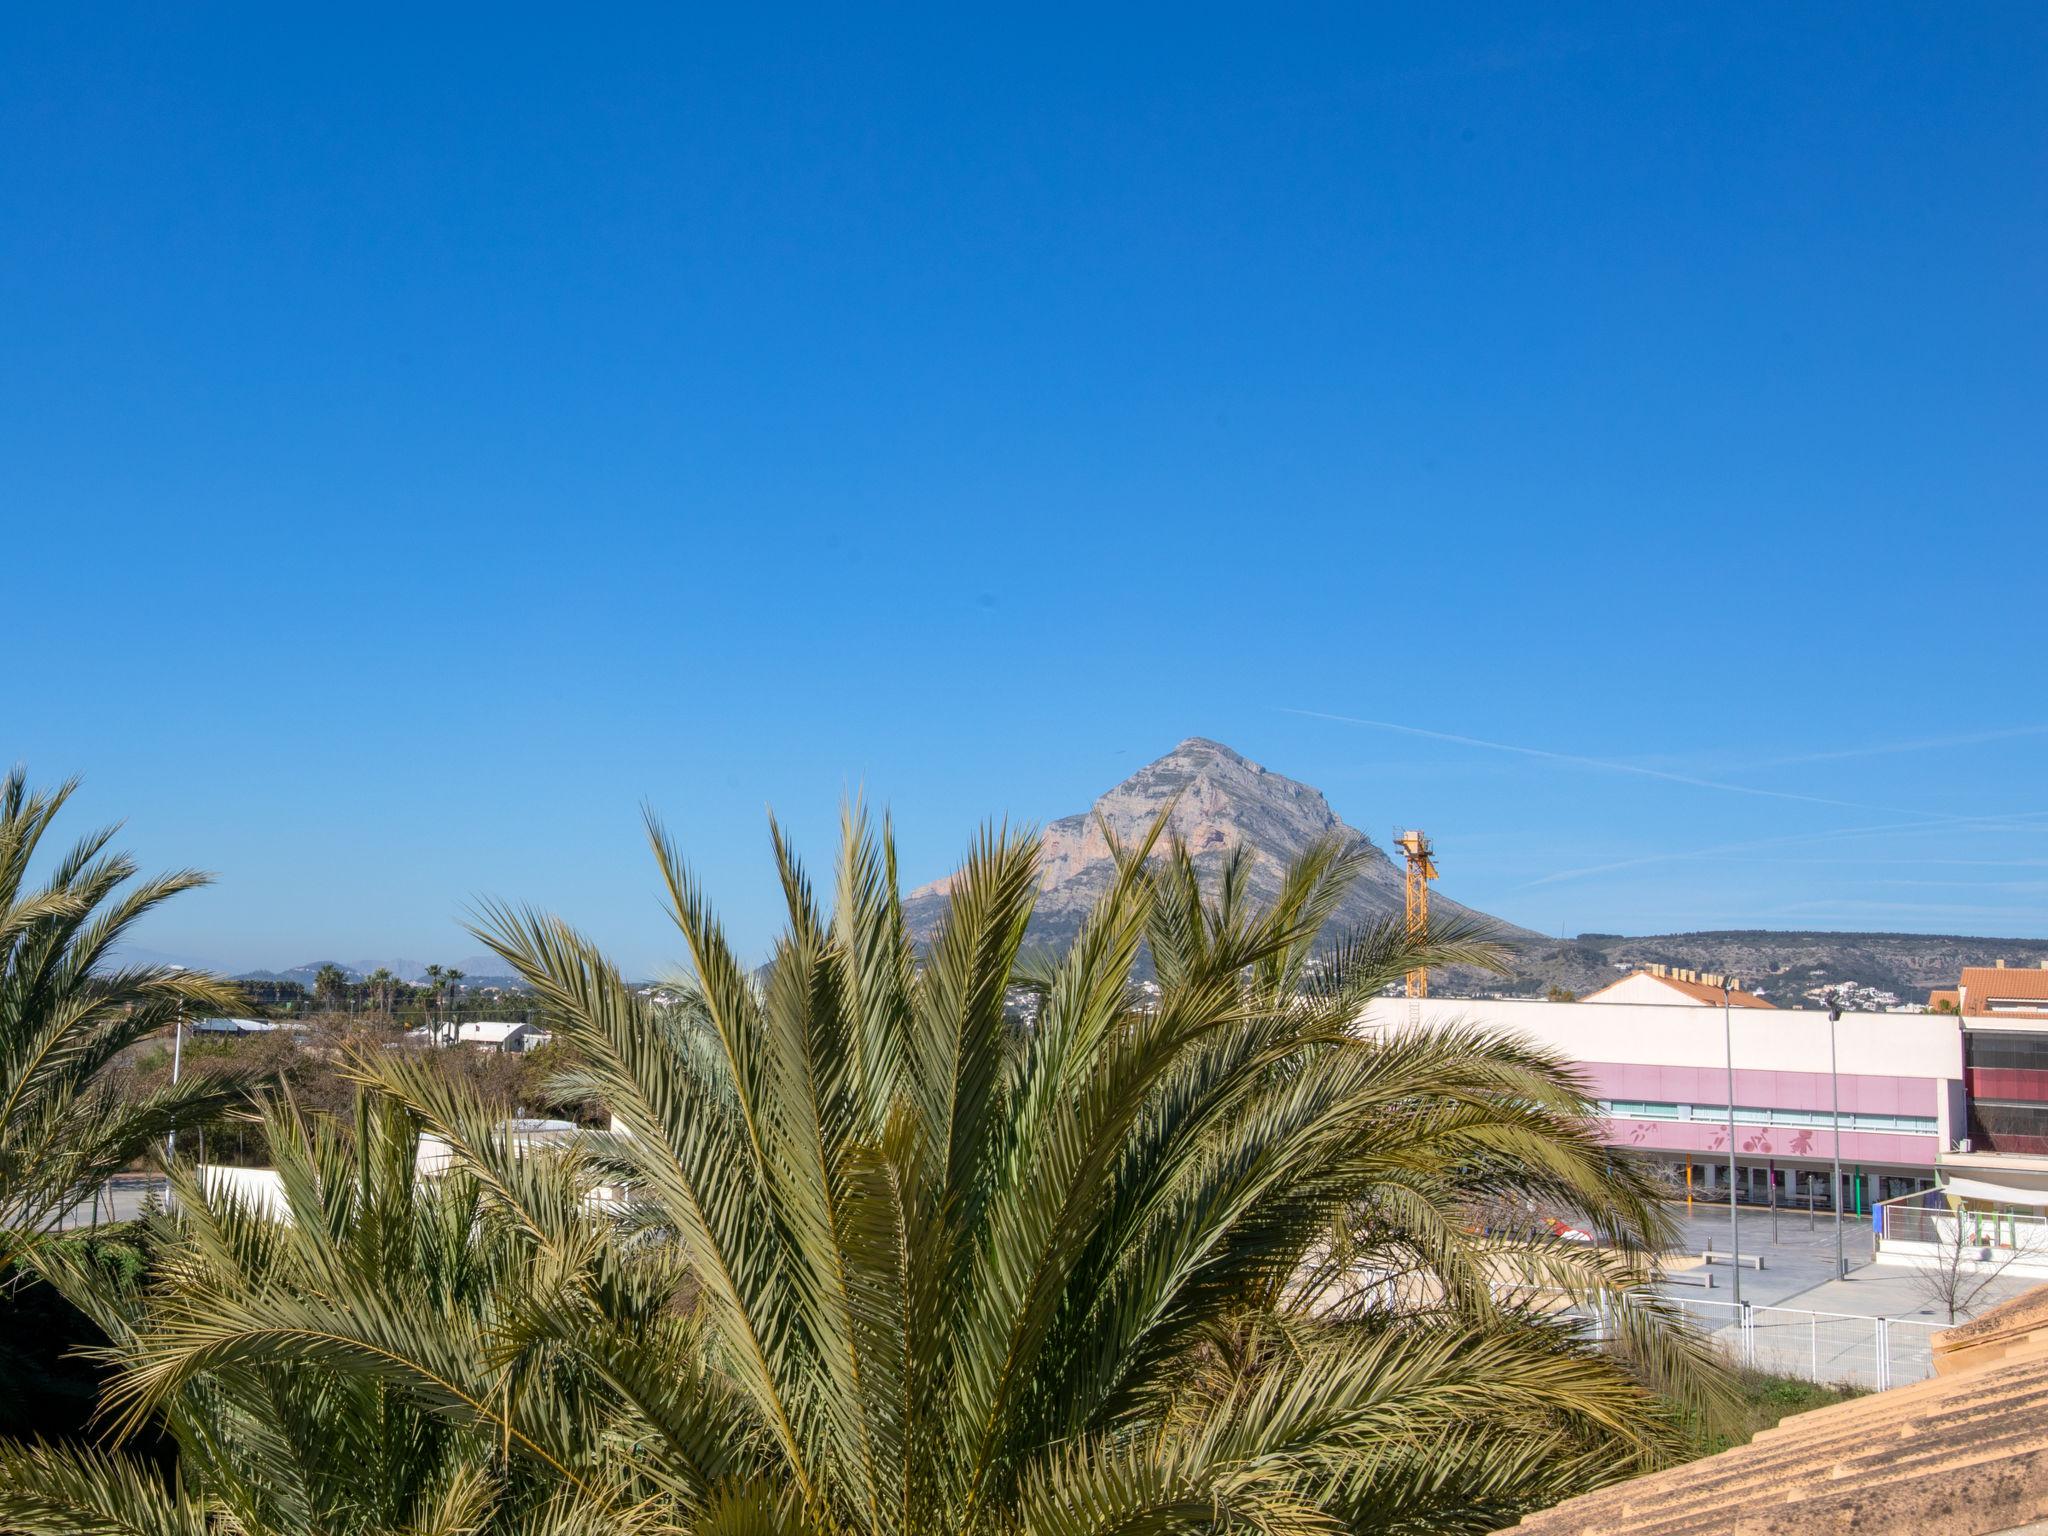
x=1224, y=800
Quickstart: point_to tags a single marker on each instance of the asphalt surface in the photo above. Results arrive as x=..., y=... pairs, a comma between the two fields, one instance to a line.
x=1809, y=1322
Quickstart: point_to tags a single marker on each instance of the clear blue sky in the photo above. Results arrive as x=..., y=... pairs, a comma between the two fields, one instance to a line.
x=424, y=435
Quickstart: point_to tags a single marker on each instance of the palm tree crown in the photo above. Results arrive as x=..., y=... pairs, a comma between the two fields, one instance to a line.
x=975, y=1243
x=67, y=1010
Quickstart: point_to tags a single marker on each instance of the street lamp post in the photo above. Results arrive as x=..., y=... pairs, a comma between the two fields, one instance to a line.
x=1734, y=1223
x=1835, y=1086
x=177, y=1061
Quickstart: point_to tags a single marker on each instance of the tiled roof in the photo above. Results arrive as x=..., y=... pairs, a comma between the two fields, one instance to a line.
x=1964, y=1452
x=1698, y=991
x=1707, y=994
x=1981, y=983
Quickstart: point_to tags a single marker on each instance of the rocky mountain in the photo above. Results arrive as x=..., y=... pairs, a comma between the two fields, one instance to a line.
x=1221, y=799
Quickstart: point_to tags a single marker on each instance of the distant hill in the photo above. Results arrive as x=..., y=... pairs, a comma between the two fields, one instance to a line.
x=1791, y=969
x=1224, y=800
x=477, y=971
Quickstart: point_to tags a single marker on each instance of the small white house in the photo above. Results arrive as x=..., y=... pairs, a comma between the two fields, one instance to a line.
x=232, y=1027
x=499, y=1035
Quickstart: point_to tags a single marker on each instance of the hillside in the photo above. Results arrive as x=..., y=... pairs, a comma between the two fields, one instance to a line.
x=1789, y=969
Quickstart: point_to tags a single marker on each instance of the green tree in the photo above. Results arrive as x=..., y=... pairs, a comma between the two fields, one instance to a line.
x=382, y=987
x=68, y=1009
x=977, y=1245
x=293, y=1448
x=330, y=985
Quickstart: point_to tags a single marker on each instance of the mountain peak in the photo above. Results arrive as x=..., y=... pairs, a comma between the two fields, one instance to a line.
x=1202, y=746
x=1220, y=800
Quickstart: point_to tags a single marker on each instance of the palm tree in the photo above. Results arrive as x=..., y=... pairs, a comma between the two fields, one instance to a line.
x=68, y=1010
x=1079, y=1268
x=330, y=984
x=381, y=984
x=292, y=1449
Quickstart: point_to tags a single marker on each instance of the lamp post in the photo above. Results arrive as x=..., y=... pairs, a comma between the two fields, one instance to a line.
x=1835, y=1087
x=1734, y=1223
x=177, y=1060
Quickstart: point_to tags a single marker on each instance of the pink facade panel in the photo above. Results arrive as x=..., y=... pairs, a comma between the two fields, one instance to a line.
x=1765, y=1090
x=1765, y=1141
x=1865, y=1094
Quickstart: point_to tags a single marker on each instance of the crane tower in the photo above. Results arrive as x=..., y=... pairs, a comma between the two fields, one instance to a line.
x=1421, y=870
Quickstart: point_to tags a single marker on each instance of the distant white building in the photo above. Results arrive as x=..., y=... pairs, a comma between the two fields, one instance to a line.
x=523, y=1135
x=232, y=1027
x=1663, y=985
x=500, y=1035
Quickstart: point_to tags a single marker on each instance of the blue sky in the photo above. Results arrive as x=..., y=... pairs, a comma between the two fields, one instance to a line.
x=424, y=436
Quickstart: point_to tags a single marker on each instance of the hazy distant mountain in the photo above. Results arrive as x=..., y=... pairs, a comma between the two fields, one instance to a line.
x=1224, y=800
x=477, y=971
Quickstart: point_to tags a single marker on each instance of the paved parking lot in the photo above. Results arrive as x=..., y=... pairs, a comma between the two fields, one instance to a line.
x=1808, y=1322
x=1799, y=1266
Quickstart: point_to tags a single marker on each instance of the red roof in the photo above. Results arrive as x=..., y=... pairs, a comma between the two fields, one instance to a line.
x=2010, y=983
x=1707, y=994
x=1698, y=991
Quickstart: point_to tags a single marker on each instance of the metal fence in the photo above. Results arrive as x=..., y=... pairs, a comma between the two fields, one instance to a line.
x=1826, y=1347
x=1831, y=1348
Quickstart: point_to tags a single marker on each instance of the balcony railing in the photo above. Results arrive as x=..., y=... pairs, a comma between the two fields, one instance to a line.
x=1908, y=1226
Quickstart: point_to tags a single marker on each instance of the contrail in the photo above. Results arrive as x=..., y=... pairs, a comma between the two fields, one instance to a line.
x=1606, y=765
x=2027, y=820
x=1882, y=749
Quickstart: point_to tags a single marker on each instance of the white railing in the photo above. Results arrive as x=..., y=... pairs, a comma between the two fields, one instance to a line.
x=1831, y=1348
x=1962, y=1237
x=1825, y=1347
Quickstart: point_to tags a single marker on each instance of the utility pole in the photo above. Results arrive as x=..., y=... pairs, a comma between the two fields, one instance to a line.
x=177, y=1060
x=1734, y=1221
x=1835, y=1085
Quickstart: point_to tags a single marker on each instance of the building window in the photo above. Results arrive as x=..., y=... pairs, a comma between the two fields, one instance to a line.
x=1753, y=1114
x=1996, y=1127
x=2000, y=1050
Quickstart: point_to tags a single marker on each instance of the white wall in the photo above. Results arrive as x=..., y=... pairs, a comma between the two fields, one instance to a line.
x=1687, y=1035
x=258, y=1190
x=1641, y=987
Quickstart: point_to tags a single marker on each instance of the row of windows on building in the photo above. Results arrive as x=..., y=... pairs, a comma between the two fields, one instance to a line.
x=2009, y=1127
x=1750, y=1114
x=2002, y=1050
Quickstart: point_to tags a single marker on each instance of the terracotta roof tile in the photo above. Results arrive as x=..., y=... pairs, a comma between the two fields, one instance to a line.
x=1698, y=991
x=1965, y=1452
x=1981, y=983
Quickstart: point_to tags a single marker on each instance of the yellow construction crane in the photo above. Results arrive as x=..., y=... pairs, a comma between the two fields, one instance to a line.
x=1421, y=870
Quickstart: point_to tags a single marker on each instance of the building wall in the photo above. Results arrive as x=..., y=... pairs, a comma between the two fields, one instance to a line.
x=1674, y=1053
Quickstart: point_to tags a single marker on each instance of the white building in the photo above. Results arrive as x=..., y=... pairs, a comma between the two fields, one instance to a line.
x=499, y=1035
x=1660, y=1072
